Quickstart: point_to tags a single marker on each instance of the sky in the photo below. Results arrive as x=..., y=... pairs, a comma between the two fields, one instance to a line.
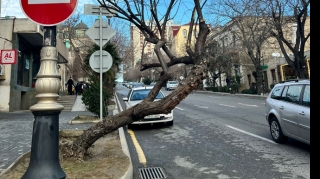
x=12, y=8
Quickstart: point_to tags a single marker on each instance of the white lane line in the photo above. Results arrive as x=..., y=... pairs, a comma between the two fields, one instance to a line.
x=201, y=106
x=253, y=135
x=213, y=97
x=249, y=105
x=227, y=105
x=179, y=108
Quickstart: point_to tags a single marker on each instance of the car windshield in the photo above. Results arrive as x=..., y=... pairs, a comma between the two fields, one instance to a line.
x=142, y=94
x=173, y=82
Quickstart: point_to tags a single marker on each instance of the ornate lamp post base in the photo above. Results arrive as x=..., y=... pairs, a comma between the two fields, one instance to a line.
x=44, y=158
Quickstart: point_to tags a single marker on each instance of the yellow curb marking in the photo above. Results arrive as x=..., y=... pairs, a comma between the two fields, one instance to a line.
x=141, y=156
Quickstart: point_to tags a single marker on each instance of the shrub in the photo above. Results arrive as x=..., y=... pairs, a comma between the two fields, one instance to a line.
x=146, y=81
x=249, y=91
x=91, y=98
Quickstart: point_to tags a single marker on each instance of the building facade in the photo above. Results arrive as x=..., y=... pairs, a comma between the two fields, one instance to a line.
x=17, y=81
x=275, y=68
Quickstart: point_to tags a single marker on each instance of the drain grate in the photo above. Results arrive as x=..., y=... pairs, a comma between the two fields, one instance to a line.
x=151, y=173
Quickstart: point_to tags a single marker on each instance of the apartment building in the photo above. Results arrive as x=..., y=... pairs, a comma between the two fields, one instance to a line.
x=141, y=47
x=17, y=81
x=275, y=68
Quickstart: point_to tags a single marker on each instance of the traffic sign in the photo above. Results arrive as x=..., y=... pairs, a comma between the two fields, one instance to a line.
x=94, y=61
x=48, y=12
x=91, y=9
x=8, y=57
x=94, y=32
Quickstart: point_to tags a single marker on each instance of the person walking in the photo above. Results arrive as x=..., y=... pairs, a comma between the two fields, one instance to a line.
x=77, y=89
x=70, y=84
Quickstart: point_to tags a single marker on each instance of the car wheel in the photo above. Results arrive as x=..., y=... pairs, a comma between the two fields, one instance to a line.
x=276, y=131
x=170, y=123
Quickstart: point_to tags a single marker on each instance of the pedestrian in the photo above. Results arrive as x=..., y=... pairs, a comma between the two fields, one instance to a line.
x=70, y=85
x=228, y=81
x=77, y=89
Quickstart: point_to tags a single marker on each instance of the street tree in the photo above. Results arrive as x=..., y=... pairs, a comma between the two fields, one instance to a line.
x=137, y=13
x=288, y=16
x=78, y=43
x=248, y=27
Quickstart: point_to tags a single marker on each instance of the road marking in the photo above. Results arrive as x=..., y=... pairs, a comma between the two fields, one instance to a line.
x=248, y=105
x=214, y=97
x=201, y=106
x=227, y=105
x=141, y=156
x=253, y=135
x=179, y=108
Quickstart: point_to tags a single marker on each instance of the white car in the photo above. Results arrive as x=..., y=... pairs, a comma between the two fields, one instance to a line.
x=171, y=85
x=137, y=95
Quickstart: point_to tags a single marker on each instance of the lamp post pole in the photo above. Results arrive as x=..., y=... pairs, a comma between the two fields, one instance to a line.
x=44, y=158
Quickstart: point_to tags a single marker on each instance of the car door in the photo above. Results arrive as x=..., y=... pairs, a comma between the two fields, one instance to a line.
x=288, y=109
x=304, y=114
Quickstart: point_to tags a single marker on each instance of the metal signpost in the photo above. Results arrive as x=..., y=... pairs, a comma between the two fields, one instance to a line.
x=100, y=33
x=44, y=158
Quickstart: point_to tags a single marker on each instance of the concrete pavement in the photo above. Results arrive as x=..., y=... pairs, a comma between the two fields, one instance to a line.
x=16, y=133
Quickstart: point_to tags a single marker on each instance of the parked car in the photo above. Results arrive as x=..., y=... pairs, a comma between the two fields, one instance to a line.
x=136, y=85
x=288, y=111
x=171, y=85
x=152, y=84
x=137, y=95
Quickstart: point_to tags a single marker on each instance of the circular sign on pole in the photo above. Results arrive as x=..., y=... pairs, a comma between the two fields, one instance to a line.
x=94, y=61
x=48, y=12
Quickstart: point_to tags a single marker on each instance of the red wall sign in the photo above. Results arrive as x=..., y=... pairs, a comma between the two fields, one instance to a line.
x=48, y=12
x=8, y=56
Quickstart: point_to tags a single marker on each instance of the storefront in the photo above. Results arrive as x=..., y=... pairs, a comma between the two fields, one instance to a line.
x=287, y=72
x=17, y=84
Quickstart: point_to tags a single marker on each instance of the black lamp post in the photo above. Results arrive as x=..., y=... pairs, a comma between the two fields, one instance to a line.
x=44, y=159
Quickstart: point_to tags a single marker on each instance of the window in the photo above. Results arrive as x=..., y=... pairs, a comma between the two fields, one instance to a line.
x=234, y=40
x=276, y=93
x=184, y=33
x=306, y=96
x=249, y=79
x=24, y=59
x=195, y=33
x=273, y=75
x=293, y=94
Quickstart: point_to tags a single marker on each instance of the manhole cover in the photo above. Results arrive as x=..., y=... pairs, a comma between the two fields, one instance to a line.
x=151, y=173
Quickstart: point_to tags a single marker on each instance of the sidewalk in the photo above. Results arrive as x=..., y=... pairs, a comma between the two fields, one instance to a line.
x=16, y=133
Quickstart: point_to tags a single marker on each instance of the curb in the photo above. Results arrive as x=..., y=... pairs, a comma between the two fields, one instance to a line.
x=125, y=148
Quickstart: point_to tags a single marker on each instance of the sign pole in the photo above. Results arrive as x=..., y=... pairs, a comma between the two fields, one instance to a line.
x=100, y=31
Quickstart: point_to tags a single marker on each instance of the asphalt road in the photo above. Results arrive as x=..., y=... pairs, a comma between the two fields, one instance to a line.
x=217, y=136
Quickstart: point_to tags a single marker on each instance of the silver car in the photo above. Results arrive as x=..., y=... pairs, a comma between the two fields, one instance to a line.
x=137, y=95
x=288, y=111
x=171, y=85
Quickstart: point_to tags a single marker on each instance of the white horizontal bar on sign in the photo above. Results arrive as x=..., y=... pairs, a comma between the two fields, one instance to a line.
x=47, y=1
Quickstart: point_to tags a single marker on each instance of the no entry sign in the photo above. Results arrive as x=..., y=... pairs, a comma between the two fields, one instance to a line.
x=48, y=12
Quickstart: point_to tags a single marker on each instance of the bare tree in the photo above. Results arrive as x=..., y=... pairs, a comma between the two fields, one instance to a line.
x=138, y=17
x=79, y=44
x=250, y=26
x=285, y=14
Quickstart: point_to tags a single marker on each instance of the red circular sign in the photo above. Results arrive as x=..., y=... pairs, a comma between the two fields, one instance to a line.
x=48, y=12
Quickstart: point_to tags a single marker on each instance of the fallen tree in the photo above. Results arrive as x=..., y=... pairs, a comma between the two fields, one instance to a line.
x=194, y=50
